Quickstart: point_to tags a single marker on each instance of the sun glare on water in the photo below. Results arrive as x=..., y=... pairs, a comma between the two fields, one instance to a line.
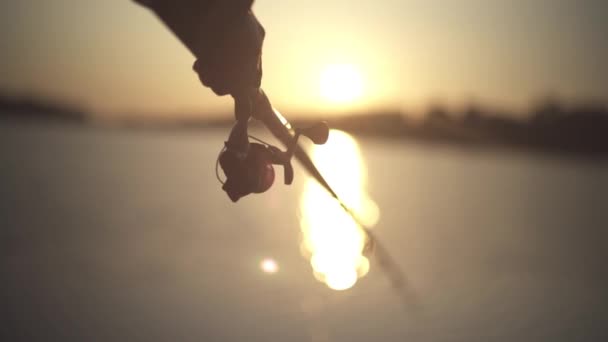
x=330, y=237
x=341, y=83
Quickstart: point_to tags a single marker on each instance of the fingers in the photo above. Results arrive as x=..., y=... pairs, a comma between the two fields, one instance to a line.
x=229, y=77
x=243, y=106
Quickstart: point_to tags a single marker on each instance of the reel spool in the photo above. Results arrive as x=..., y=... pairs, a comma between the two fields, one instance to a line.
x=248, y=165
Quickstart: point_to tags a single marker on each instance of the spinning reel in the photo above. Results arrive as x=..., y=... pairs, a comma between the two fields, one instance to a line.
x=248, y=165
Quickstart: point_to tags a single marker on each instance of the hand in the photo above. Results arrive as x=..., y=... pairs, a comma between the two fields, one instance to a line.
x=233, y=64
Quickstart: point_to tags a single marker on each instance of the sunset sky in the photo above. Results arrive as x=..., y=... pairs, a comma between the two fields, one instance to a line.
x=116, y=58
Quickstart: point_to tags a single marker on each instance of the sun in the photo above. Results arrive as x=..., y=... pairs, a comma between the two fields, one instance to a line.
x=341, y=83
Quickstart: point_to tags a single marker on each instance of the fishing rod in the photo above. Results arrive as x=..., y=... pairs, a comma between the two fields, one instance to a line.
x=248, y=165
x=261, y=109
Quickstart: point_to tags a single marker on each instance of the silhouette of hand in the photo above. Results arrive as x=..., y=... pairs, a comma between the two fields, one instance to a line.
x=234, y=63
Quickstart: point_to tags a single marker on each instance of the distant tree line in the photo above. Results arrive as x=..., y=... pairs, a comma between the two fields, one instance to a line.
x=549, y=126
x=580, y=129
x=29, y=107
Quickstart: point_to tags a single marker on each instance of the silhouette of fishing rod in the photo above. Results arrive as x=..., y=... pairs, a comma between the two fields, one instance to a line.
x=282, y=130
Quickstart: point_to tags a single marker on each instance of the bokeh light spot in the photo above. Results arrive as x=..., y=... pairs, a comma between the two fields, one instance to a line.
x=269, y=265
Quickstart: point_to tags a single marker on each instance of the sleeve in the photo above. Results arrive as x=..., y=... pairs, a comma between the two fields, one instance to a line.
x=199, y=24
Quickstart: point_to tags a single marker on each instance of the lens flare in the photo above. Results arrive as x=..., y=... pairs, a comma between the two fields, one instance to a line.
x=330, y=237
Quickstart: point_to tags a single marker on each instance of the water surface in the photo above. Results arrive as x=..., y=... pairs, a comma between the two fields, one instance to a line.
x=116, y=235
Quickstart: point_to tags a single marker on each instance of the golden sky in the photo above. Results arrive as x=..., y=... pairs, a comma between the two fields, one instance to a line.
x=115, y=57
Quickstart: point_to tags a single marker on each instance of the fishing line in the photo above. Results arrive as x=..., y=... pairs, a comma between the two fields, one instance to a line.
x=217, y=165
x=217, y=160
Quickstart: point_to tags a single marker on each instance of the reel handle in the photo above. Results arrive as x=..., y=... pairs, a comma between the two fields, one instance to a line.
x=244, y=103
x=284, y=159
x=288, y=173
x=317, y=133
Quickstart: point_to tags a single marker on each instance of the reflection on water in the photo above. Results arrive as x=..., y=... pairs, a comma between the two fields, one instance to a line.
x=122, y=235
x=330, y=237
